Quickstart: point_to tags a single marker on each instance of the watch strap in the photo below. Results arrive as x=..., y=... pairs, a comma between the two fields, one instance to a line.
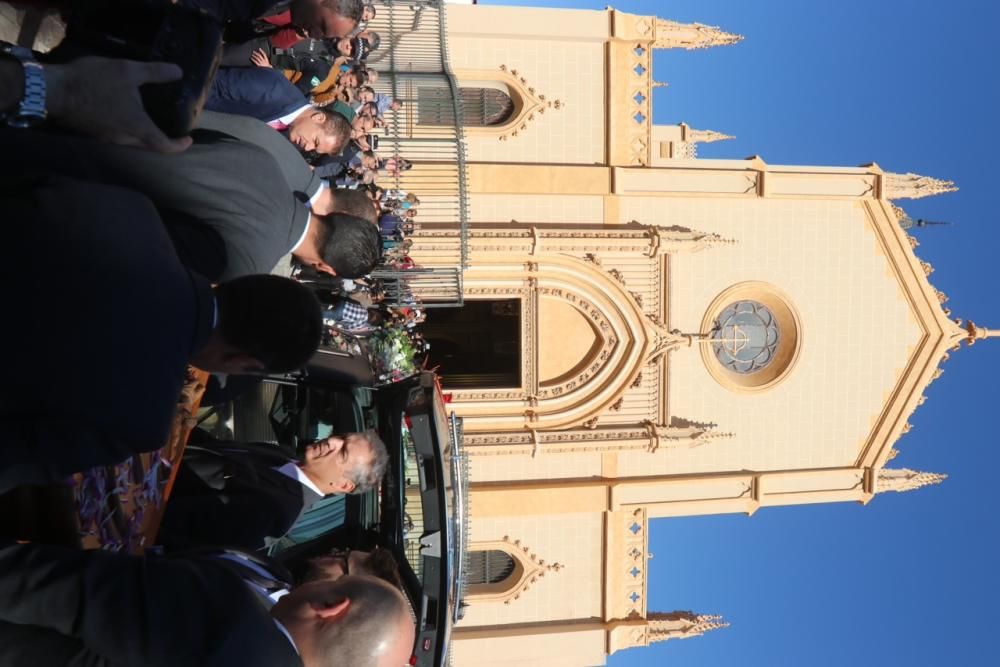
x=30, y=111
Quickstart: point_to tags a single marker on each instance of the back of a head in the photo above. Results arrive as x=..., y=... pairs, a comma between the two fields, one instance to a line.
x=350, y=245
x=273, y=319
x=374, y=628
x=367, y=477
x=355, y=203
x=351, y=9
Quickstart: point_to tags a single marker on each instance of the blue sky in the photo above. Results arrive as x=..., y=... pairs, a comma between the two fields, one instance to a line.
x=911, y=579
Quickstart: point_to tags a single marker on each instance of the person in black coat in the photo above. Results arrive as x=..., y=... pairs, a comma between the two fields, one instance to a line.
x=103, y=320
x=63, y=607
x=248, y=495
x=231, y=198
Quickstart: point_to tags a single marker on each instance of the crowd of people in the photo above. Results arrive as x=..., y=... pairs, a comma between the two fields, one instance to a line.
x=132, y=254
x=318, y=92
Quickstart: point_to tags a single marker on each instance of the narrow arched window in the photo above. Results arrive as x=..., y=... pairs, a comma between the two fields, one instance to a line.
x=488, y=567
x=481, y=107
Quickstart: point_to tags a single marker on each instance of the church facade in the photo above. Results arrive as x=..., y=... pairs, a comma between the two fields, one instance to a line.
x=647, y=334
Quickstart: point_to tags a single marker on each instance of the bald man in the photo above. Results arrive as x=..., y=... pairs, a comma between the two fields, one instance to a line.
x=63, y=606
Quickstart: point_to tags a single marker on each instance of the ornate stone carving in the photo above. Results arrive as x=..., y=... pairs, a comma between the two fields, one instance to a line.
x=532, y=569
x=632, y=528
x=673, y=437
x=609, y=341
x=975, y=333
x=681, y=625
x=914, y=186
x=534, y=103
x=682, y=239
x=693, y=136
x=534, y=442
x=674, y=35
x=904, y=479
x=662, y=340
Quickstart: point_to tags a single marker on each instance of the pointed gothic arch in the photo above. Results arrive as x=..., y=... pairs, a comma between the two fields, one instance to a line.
x=520, y=568
x=526, y=103
x=609, y=365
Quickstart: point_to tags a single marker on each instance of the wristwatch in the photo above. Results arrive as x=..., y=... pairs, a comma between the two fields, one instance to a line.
x=31, y=109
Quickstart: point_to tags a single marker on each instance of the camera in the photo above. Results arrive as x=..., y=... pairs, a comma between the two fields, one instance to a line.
x=152, y=31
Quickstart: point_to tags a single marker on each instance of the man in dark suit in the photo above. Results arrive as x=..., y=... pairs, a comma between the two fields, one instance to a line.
x=248, y=495
x=65, y=607
x=105, y=319
x=265, y=94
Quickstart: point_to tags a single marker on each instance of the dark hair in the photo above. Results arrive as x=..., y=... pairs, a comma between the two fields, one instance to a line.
x=334, y=123
x=360, y=73
x=355, y=203
x=374, y=40
x=382, y=564
x=351, y=9
x=371, y=6
x=275, y=320
x=360, y=48
x=350, y=245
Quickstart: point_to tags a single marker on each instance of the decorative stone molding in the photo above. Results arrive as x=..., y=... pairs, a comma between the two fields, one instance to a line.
x=575, y=441
x=904, y=479
x=528, y=102
x=528, y=569
x=693, y=136
x=663, y=340
x=914, y=186
x=669, y=437
x=974, y=333
x=681, y=625
x=634, y=545
x=651, y=241
x=674, y=35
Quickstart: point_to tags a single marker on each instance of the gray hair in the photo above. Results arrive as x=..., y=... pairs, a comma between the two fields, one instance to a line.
x=367, y=477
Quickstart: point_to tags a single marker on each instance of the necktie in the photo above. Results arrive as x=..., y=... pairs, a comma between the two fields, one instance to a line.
x=278, y=125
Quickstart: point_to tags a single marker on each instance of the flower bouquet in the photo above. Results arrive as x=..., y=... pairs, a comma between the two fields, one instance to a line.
x=392, y=355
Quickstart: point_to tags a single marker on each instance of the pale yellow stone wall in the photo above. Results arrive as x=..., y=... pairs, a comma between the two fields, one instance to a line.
x=581, y=648
x=857, y=332
x=572, y=592
x=542, y=466
x=554, y=209
x=570, y=70
x=569, y=497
